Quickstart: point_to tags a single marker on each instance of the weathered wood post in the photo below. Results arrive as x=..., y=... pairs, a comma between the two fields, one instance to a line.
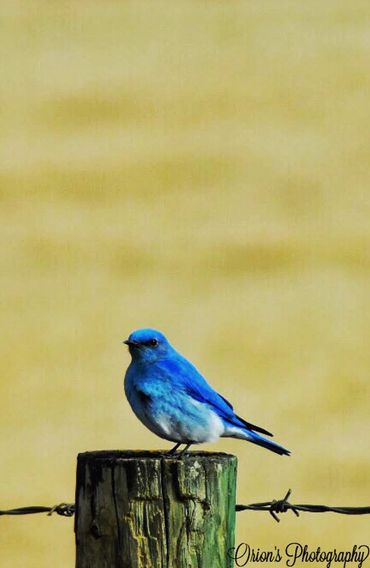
x=147, y=510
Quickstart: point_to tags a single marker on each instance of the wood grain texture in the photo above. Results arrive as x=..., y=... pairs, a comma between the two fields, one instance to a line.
x=149, y=510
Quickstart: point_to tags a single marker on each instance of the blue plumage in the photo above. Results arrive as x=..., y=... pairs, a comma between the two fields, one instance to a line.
x=170, y=396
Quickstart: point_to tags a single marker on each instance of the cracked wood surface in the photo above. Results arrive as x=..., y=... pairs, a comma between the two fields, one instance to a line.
x=139, y=509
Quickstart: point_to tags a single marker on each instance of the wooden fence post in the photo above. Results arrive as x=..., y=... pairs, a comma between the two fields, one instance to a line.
x=139, y=509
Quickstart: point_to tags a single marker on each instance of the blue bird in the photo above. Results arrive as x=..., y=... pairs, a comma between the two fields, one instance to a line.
x=171, y=398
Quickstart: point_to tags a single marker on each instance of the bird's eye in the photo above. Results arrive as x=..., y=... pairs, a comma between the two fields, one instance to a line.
x=153, y=342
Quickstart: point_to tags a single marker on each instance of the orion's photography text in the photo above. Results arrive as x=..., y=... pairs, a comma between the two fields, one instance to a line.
x=295, y=553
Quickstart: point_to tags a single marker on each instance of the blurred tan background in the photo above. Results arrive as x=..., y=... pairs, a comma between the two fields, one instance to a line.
x=202, y=168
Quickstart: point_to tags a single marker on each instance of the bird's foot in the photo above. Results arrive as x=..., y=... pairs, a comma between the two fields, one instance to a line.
x=179, y=455
x=172, y=452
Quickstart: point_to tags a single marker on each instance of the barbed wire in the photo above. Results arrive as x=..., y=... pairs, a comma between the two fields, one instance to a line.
x=276, y=507
x=63, y=509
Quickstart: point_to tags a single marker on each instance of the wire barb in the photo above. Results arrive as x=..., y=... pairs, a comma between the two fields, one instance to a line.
x=282, y=506
x=279, y=506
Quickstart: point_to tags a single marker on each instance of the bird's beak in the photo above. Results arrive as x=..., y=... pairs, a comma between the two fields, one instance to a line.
x=131, y=343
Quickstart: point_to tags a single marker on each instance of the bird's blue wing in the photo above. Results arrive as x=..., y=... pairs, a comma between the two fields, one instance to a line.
x=194, y=384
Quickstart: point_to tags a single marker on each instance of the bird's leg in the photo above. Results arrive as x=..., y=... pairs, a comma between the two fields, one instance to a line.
x=173, y=450
x=180, y=454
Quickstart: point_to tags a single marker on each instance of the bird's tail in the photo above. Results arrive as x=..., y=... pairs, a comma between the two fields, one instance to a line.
x=255, y=438
x=268, y=444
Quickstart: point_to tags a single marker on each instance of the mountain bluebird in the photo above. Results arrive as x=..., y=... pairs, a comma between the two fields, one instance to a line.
x=171, y=398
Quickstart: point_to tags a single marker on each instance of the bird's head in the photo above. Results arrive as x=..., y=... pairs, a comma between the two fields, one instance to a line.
x=147, y=345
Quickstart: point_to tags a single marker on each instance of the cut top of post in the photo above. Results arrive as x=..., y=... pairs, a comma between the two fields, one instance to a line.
x=141, y=508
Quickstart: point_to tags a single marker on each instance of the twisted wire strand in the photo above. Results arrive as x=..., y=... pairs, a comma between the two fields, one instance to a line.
x=282, y=506
x=274, y=507
x=63, y=509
